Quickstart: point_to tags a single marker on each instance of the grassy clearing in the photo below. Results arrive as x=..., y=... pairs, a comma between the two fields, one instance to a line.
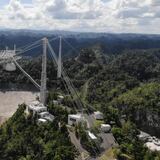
x=108, y=155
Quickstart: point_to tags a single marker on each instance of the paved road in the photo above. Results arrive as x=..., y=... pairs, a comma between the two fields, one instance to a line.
x=76, y=142
x=107, y=143
x=108, y=140
x=84, y=155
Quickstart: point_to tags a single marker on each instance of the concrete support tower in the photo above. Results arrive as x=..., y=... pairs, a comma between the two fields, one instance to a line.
x=59, y=73
x=14, y=48
x=43, y=89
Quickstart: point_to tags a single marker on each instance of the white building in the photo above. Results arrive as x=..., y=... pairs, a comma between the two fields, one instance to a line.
x=143, y=136
x=60, y=99
x=43, y=114
x=98, y=115
x=41, y=120
x=36, y=107
x=75, y=119
x=153, y=146
x=9, y=67
x=5, y=54
x=105, y=127
x=46, y=116
x=92, y=136
x=152, y=143
x=55, y=102
x=8, y=54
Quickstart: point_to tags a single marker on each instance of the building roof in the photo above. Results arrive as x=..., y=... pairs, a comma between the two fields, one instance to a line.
x=49, y=117
x=42, y=120
x=76, y=116
x=92, y=136
x=36, y=103
x=105, y=125
x=61, y=97
x=7, y=54
x=44, y=113
x=98, y=113
x=37, y=108
x=143, y=135
x=152, y=146
x=55, y=101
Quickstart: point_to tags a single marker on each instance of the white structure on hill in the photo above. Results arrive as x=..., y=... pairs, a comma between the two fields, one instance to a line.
x=153, y=146
x=143, y=136
x=152, y=143
x=92, y=136
x=98, y=115
x=7, y=54
x=105, y=127
x=47, y=116
x=41, y=120
x=55, y=102
x=60, y=98
x=75, y=119
x=36, y=107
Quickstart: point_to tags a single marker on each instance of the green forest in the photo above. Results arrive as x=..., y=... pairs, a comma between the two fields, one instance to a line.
x=21, y=138
x=118, y=85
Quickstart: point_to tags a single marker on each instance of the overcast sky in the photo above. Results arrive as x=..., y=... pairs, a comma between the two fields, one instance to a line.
x=134, y=16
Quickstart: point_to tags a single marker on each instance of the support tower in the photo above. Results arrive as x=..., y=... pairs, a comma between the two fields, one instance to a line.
x=59, y=73
x=43, y=89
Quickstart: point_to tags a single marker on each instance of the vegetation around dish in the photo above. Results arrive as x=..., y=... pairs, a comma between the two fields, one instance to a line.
x=124, y=86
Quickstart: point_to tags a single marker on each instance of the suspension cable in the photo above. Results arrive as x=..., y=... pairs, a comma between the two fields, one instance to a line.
x=65, y=77
x=29, y=45
x=73, y=48
x=24, y=51
x=26, y=74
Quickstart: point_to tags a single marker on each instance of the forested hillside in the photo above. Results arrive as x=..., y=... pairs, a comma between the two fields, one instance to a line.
x=107, y=77
x=112, y=43
x=21, y=138
x=123, y=85
x=130, y=82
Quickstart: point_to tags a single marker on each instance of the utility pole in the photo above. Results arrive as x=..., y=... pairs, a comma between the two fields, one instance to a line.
x=43, y=89
x=59, y=73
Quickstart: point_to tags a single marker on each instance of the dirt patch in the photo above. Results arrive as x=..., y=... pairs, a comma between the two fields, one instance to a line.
x=10, y=100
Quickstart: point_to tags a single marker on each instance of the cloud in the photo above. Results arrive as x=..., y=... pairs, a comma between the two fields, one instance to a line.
x=84, y=15
x=71, y=9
